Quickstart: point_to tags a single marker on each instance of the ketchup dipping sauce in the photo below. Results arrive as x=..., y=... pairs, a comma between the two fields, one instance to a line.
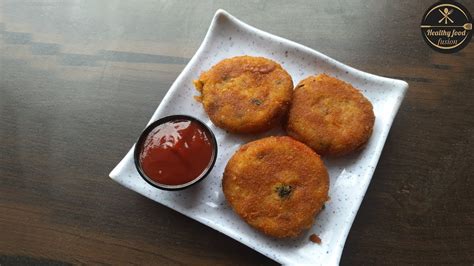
x=175, y=152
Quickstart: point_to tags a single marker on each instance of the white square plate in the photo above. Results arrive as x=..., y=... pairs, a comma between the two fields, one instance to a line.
x=349, y=176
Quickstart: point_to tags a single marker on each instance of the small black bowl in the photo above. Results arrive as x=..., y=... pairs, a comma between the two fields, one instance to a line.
x=144, y=135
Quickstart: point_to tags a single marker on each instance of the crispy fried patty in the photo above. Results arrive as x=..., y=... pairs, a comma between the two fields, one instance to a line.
x=277, y=185
x=330, y=116
x=245, y=94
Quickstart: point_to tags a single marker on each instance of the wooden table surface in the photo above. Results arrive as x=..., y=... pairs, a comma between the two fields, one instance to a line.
x=80, y=79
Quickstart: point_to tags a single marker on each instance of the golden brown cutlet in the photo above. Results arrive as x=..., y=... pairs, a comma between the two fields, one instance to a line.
x=245, y=94
x=330, y=116
x=277, y=185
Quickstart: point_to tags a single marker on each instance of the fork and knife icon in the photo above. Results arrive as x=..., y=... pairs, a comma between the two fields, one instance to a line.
x=446, y=12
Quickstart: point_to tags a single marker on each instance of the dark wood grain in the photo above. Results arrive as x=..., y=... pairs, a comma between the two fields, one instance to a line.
x=78, y=82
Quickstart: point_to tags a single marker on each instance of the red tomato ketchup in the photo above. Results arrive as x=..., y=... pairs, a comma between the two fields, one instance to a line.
x=177, y=152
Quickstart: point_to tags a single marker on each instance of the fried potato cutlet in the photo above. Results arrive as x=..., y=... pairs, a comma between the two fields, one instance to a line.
x=277, y=185
x=245, y=94
x=330, y=116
